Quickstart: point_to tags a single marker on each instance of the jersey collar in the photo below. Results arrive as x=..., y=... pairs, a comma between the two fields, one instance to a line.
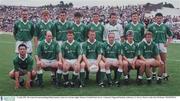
x=24, y=22
x=48, y=42
x=62, y=22
x=147, y=42
x=95, y=23
x=78, y=24
x=130, y=43
x=91, y=42
x=45, y=22
x=70, y=43
x=158, y=24
x=111, y=44
x=135, y=24
x=23, y=58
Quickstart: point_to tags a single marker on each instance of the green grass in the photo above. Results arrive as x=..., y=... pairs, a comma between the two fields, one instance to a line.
x=168, y=88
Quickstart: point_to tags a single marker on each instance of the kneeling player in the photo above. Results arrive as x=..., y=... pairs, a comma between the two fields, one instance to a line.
x=112, y=57
x=92, y=53
x=48, y=57
x=149, y=53
x=71, y=56
x=130, y=58
x=23, y=64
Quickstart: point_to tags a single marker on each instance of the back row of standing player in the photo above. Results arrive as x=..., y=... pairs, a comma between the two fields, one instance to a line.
x=24, y=31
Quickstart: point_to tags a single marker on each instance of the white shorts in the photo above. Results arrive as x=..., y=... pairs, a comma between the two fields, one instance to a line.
x=48, y=63
x=91, y=61
x=27, y=43
x=111, y=60
x=150, y=60
x=72, y=61
x=162, y=48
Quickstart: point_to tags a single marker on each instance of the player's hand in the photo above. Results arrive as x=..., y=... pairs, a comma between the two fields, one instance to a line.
x=38, y=63
x=59, y=63
x=28, y=85
x=166, y=44
x=161, y=62
x=96, y=63
x=17, y=85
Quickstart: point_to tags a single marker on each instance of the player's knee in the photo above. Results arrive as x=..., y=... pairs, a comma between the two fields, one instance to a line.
x=12, y=75
x=82, y=65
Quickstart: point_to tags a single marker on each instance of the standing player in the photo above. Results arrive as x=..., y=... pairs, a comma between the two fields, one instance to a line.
x=130, y=54
x=136, y=27
x=92, y=54
x=71, y=57
x=60, y=27
x=48, y=57
x=162, y=36
x=42, y=27
x=79, y=29
x=23, y=65
x=24, y=31
x=150, y=54
x=113, y=27
x=97, y=27
x=112, y=57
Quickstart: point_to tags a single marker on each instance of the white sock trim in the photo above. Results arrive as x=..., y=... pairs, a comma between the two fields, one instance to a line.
x=59, y=71
x=103, y=70
x=120, y=70
x=65, y=73
x=40, y=71
x=126, y=77
x=148, y=78
x=82, y=70
x=139, y=77
x=75, y=73
x=108, y=71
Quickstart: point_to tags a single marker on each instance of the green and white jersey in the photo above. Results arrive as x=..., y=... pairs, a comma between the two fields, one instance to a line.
x=71, y=50
x=148, y=50
x=23, y=63
x=23, y=31
x=138, y=30
x=92, y=50
x=130, y=50
x=41, y=28
x=160, y=32
x=49, y=51
x=111, y=50
x=80, y=32
x=60, y=30
x=99, y=29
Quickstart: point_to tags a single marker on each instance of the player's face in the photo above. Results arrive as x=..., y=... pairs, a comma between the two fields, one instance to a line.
x=45, y=17
x=111, y=38
x=113, y=18
x=62, y=16
x=135, y=17
x=22, y=50
x=77, y=20
x=130, y=38
x=70, y=37
x=159, y=19
x=24, y=15
x=48, y=36
x=96, y=18
x=148, y=38
x=92, y=36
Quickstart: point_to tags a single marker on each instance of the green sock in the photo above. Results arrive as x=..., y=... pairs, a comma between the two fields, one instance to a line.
x=109, y=77
x=40, y=78
x=102, y=76
x=66, y=77
x=59, y=75
x=118, y=75
x=82, y=77
x=74, y=78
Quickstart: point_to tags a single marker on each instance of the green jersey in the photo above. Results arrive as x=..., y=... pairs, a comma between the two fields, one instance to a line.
x=99, y=29
x=71, y=50
x=148, y=50
x=92, y=50
x=160, y=32
x=138, y=30
x=23, y=31
x=130, y=50
x=111, y=51
x=49, y=51
x=41, y=28
x=23, y=63
x=80, y=32
x=60, y=30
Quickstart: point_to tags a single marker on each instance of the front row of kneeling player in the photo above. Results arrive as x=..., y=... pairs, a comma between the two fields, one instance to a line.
x=92, y=56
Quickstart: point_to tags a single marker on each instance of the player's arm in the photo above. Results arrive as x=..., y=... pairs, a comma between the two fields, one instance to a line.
x=16, y=79
x=84, y=52
x=35, y=36
x=170, y=34
x=29, y=75
x=99, y=52
x=79, y=53
x=15, y=30
x=38, y=55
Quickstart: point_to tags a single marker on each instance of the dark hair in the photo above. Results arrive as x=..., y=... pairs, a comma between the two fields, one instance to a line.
x=70, y=32
x=95, y=14
x=113, y=14
x=133, y=13
x=158, y=14
x=77, y=14
x=22, y=45
x=48, y=31
x=63, y=11
x=147, y=33
x=24, y=10
x=91, y=30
